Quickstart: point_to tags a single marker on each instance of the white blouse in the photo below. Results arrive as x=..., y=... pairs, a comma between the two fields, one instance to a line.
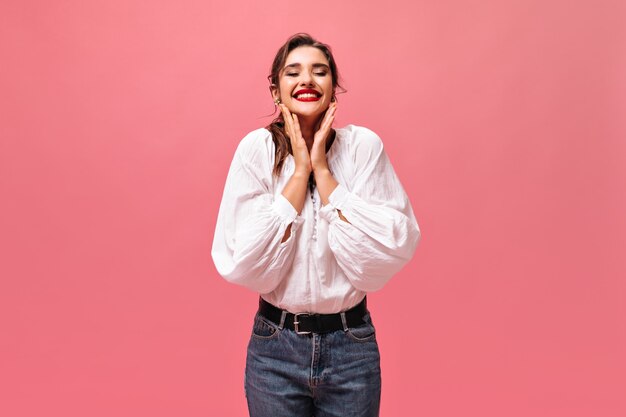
x=326, y=265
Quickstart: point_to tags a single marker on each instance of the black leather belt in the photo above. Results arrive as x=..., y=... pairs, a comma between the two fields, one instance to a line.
x=305, y=323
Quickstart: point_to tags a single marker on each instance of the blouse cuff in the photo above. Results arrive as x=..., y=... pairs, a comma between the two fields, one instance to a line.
x=285, y=210
x=340, y=198
x=329, y=213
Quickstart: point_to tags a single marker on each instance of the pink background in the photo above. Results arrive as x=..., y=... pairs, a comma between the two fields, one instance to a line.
x=504, y=120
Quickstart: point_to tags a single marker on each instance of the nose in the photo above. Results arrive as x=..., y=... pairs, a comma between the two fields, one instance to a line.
x=306, y=78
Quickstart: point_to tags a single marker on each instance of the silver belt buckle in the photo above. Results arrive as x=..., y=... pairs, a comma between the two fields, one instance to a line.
x=296, y=323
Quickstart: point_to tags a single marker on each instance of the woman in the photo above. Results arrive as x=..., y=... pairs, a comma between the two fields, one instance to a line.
x=312, y=218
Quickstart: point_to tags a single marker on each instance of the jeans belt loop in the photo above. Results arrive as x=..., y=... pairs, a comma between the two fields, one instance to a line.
x=344, y=321
x=282, y=319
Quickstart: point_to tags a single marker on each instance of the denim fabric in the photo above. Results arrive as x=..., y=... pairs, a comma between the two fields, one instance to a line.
x=334, y=374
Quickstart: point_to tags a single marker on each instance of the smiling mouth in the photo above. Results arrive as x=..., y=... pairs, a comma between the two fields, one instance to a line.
x=307, y=97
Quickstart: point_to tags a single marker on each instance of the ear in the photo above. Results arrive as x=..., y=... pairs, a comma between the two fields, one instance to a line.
x=274, y=91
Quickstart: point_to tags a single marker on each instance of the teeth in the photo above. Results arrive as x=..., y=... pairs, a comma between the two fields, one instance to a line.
x=306, y=95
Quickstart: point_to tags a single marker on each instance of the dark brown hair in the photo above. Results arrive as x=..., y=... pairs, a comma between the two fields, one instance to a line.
x=282, y=142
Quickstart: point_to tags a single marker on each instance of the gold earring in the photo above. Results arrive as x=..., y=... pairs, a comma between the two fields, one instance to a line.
x=277, y=101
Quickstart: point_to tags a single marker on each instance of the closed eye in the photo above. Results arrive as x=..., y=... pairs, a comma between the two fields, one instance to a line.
x=295, y=74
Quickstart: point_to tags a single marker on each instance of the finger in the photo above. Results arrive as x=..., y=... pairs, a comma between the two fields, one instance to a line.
x=321, y=124
x=331, y=114
x=286, y=113
x=327, y=113
x=328, y=120
x=323, y=133
x=288, y=121
x=334, y=109
x=296, y=125
x=286, y=116
x=331, y=111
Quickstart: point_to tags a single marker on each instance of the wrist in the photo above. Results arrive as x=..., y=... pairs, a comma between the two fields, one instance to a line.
x=321, y=170
x=301, y=174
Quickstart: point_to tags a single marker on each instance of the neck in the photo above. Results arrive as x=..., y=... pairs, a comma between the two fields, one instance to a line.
x=307, y=128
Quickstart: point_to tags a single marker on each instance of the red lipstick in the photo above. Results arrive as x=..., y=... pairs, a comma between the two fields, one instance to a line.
x=316, y=94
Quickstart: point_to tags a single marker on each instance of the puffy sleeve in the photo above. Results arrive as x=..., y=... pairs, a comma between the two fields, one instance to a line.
x=251, y=222
x=382, y=232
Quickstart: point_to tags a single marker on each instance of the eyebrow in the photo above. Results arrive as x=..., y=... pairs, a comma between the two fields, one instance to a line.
x=317, y=65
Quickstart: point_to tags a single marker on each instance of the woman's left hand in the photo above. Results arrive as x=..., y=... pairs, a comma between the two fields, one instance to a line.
x=318, y=150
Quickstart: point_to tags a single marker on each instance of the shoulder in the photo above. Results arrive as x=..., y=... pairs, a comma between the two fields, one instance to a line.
x=361, y=139
x=255, y=144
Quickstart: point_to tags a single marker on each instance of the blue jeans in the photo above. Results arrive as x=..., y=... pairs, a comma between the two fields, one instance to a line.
x=334, y=374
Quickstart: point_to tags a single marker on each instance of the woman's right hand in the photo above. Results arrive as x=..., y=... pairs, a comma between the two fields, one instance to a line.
x=298, y=144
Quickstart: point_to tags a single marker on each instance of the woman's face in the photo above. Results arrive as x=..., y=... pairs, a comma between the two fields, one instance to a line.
x=306, y=68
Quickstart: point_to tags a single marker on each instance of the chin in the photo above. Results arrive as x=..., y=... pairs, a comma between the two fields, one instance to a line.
x=310, y=112
x=308, y=115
